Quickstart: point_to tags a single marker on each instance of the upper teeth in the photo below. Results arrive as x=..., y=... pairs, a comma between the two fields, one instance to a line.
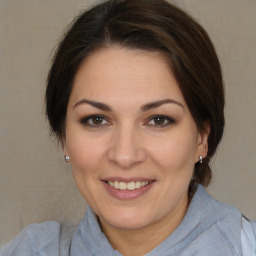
x=128, y=185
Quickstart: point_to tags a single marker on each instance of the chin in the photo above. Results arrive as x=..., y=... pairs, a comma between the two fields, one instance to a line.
x=124, y=218
x=128, y=223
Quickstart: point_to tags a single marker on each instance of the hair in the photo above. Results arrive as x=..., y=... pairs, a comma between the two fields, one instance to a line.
x=149, y=25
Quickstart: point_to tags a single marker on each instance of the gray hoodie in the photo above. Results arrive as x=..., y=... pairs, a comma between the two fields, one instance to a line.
x=209, y=228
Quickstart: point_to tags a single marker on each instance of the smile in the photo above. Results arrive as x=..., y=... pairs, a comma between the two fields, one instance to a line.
x=133, y=185
x=128, y=189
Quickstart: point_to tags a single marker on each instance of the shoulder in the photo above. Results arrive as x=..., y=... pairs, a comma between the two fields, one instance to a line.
x=36, y=239
x=213, y=209
x=227, y=224
x=248, y=237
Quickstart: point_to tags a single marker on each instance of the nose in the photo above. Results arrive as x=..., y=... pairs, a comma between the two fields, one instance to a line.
x=126, y=149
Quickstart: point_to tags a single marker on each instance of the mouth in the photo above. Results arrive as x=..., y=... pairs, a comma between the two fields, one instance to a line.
x=127, y=189
x=132, y=185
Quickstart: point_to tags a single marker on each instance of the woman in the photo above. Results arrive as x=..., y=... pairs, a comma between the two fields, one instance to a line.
x=135, y=96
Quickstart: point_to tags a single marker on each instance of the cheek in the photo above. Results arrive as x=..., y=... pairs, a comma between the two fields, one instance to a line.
x=174, y=152
x=85, y=152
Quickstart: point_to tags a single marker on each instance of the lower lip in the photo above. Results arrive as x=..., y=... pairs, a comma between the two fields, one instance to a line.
x=127, y=194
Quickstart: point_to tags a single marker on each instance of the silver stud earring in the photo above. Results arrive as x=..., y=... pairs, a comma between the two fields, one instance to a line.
x=66, y=158
x=200, y=159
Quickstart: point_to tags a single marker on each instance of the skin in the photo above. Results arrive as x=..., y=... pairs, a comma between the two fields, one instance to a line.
x=129, y=142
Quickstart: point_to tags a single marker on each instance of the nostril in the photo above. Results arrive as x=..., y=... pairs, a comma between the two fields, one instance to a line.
x=126, y=156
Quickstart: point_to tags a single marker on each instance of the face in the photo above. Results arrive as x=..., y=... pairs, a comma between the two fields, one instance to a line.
x=131, y=139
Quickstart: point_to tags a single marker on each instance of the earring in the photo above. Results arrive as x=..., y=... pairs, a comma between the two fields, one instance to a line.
x=200, y=159
x=66, y=158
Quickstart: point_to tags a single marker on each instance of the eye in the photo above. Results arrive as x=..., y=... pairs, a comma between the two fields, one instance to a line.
x=95, y=121
x=160, y=121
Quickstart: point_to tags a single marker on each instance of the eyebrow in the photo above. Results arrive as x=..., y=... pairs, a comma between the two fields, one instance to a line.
x=157, y=104
x=143, y=108
x=95, y=104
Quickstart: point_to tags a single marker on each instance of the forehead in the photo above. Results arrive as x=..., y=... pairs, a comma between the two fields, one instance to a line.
x=114, y=73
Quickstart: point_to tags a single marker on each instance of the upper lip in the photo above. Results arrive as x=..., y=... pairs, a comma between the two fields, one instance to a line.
x=122, y=179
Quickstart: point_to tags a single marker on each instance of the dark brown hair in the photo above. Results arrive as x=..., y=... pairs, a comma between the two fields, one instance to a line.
x=150, y=25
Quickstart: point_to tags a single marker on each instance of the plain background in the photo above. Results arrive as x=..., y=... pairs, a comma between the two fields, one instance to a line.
x=35, y=183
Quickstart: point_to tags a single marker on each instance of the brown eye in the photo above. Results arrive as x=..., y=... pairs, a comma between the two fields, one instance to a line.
x=160, y=121
x=95, y=121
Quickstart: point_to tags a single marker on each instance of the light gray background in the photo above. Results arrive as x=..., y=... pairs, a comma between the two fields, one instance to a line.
x=35, y=184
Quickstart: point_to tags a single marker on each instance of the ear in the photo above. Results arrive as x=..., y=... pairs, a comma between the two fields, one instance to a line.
x=202, y=142
x=64, y=146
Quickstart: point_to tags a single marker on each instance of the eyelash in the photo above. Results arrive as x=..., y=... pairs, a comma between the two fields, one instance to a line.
x=169, y=120
x=85, y=121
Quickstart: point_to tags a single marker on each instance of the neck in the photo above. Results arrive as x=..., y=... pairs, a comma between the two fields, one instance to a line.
x=141, y=241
